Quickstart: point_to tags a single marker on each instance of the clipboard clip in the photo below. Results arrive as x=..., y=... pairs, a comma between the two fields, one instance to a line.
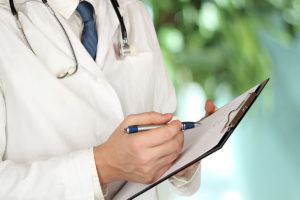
x=242, y=109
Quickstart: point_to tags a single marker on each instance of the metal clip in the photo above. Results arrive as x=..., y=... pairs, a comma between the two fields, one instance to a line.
x=242, y=109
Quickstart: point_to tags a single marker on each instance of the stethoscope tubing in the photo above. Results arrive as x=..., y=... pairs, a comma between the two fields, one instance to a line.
x=120, y=18
x=15, y=13
x=75, y=69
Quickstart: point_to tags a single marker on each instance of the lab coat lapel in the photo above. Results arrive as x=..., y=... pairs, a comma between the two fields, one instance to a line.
x=83, y=57
x=87, y=62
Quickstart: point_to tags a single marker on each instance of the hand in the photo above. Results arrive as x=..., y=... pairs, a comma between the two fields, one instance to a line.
x=141, y=157
x=209, y=109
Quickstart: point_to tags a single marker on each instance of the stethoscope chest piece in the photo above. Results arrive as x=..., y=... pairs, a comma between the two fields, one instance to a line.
x=126, y=49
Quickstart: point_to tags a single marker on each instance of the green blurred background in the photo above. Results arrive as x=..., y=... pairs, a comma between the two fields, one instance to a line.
x=218, y=49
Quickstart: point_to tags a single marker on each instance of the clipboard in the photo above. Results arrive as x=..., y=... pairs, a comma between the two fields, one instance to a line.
x=230, y=121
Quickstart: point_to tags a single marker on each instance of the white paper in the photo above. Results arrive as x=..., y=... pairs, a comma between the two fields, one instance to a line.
x=197, y=141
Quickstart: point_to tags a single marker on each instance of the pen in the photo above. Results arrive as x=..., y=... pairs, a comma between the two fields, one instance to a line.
x=138, y=128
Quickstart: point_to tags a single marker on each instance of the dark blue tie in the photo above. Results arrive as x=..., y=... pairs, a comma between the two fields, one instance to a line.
x=89, y=36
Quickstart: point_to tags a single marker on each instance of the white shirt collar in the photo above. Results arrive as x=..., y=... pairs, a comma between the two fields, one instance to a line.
x=67, y=7
x=64, y=7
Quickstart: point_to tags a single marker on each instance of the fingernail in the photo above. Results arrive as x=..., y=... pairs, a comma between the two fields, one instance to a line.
x=177, y=121
x=168, y=114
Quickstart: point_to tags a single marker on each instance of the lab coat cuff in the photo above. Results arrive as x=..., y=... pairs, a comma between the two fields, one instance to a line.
x=78, y=177
x=187, y=184
x=99, y=192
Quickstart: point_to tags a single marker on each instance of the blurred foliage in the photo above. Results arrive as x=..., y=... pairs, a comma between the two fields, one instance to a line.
x=217, y=42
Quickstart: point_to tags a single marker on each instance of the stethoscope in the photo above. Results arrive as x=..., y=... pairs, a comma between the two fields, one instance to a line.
x=124, y=49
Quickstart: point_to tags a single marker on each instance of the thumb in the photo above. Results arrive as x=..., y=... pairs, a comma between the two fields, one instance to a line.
x=148, y=118
x=209, y=107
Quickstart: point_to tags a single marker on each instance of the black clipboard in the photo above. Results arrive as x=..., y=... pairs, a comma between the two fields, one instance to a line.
x=230, y=126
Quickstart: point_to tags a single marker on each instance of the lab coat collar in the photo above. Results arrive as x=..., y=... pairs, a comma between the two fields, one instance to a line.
x=84, y=58
x=67, y=7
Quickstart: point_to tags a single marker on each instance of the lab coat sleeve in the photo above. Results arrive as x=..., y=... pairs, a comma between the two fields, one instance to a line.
x=99, y=192
x=65, y=177
x=189, y=183
x=165, y=102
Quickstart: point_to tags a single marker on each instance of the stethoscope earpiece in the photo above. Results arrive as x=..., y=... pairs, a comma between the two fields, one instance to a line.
x=71, y=70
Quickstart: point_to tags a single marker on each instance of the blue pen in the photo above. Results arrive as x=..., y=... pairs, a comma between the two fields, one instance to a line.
x=136, y=128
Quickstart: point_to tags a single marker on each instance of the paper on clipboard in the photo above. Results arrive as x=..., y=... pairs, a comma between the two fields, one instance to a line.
x=201, y=141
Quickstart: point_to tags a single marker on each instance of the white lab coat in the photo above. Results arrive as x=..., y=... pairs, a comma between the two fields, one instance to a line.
x=49, y=126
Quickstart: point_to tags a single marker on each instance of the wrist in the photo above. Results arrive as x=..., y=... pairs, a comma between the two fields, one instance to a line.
x=106, y=173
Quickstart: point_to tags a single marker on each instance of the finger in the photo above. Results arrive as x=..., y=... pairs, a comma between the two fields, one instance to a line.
x=159, y=135
x=209, y=107
x=162, y=171
x=148, y=118
x=181, y=173
x=166, y=160
x=173, y=146
x=186, y=170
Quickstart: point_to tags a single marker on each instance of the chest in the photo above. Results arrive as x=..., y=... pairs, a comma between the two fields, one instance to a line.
x=52, y=46
x=78, y=111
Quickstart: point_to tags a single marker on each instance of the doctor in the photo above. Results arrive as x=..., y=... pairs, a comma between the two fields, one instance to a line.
x=67, y=90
